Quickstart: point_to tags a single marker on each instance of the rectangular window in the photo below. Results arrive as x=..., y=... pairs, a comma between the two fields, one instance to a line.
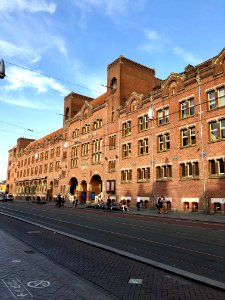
x=189, y=170
x=187, y=108
x=112, y=142
x=57, y=166
x=212, y=100
x=213, y=131
x=46, y=168
x=164, y=172
x=51, y=167
x=143, y=123
x=46, y=155
x=112, y=166
x=111, y=186
x=221, y=97
x=126, y=128
x=143, y=147
x=40, y=169
x=85, y=149
x=188, y=137
x=126, y=176
x=74, y=157
x=58, y=151
x=163, y=116
x=52, y=153
x=143, y=174
x=126, y=150
x=164, y=142
x=97, y=151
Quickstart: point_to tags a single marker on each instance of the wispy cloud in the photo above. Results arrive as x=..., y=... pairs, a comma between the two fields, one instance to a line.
x=27, y=103
x=20, y=79
x=32, y=6
x=10, y=50
x=155, y=42
x=187, y=56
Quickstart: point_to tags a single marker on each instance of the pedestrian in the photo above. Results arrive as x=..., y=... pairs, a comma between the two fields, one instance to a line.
x=138, y=204
x=164, y=204
x=159, y=205
x=108, y=203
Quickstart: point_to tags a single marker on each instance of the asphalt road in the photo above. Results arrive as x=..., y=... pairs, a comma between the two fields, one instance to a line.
x=195, y=247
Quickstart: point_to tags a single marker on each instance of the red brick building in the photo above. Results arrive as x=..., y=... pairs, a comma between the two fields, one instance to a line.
x=143, y=136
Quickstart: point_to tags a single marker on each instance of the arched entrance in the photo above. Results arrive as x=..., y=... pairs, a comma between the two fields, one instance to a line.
x=83, y=191
x=96, y=187
x=73, y=185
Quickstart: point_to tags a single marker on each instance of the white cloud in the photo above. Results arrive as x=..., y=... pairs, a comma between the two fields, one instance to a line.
x=25, y=102
x=10, y=50
x=32, y=6
x=153, y=35
x=112, y=8
x=20, y=79
x=187, y=56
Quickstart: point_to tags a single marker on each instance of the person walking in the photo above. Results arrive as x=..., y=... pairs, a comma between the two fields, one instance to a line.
x=108, y=203
x=159, y=205
x=138, y=204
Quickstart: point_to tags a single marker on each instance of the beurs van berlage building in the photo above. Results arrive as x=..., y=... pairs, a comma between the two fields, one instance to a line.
x=143, y=136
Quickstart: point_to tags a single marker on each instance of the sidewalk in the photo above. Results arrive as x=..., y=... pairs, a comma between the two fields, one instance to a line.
x=192, y=216
x=27, y=274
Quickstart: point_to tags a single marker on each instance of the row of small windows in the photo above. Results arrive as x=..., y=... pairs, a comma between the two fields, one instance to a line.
x=188, y=170
x=215, y=99
x=187, y=139
x=40, y=157
x=39, y=169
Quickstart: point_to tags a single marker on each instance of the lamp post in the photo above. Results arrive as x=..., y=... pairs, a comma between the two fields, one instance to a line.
x=151, y=117
x=202, y=153
x=2, y=69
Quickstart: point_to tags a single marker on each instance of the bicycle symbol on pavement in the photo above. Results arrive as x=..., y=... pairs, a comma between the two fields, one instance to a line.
x=38, y=284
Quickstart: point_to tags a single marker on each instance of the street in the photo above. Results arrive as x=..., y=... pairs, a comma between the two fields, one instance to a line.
x=179, y=245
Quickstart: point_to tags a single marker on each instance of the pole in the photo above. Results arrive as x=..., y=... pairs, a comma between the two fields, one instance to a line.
x=202, y=154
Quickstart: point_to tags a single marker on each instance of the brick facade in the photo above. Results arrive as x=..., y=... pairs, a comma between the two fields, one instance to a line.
x=114, y=145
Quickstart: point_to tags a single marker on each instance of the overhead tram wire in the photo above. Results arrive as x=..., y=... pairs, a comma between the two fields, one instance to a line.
x=53, y=77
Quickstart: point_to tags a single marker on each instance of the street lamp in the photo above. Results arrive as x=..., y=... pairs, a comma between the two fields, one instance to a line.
x=202, y=153
x=151, y=117
x=2, y=69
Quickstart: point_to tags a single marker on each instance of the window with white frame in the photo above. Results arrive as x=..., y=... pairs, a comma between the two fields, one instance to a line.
x=217, y=130
x=126, y=128
x=143, y=146
x=188, y=136
x=164, y=142
x=75, y=133
x=143, y=123
x=126, y=176
x=216, y=98
x=187, y=108
x=126, y=150
x=97, y=151
x=163, y=116
x=143, y=174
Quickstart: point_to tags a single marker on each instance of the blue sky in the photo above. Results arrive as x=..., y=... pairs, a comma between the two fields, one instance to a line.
x=73, y=41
